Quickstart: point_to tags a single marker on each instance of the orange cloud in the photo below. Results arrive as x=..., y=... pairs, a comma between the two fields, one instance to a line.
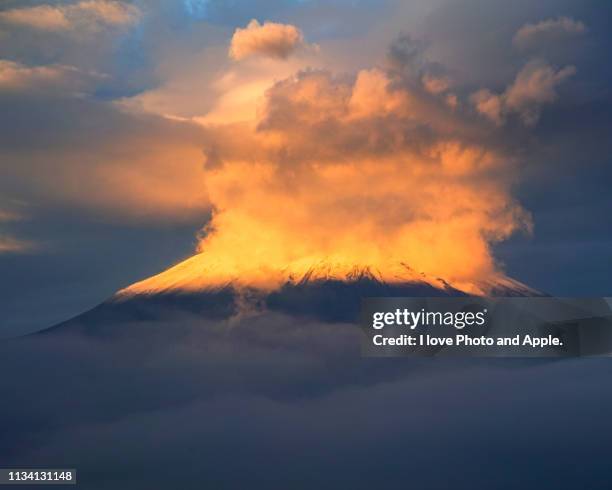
x=372, y=173
x=436, y=85
x=83, y=15
x=268, y=39
x=42, y=17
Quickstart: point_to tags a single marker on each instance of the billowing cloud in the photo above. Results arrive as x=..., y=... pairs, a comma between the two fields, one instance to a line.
x=83, y=15
x=363, y=131
x=489, y=105
x=269, y=39
x=234, y=90
x=534, y=86
x=548, y=30
x=371, y=171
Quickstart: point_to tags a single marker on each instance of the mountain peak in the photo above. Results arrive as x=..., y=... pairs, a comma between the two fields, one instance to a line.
x=328, y=290
x=201, y=274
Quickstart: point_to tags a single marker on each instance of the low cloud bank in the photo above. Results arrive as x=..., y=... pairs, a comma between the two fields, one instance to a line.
x=271, y=400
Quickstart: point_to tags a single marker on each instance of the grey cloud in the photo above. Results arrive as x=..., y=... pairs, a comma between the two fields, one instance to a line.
x=406, y=53
x=52, y=79
x=534, y=86
x=93, y=155
x=9, y=244
x=549, y=30
x=91, y=48
x=273, y=401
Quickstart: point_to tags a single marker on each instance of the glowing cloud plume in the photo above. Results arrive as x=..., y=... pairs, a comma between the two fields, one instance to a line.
x=339, y=176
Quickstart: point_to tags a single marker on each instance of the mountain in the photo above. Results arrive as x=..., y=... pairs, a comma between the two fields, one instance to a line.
x=329, y=291
x=200, y=274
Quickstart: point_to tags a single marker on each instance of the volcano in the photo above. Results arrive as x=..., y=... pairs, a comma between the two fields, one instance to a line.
x=328, y=291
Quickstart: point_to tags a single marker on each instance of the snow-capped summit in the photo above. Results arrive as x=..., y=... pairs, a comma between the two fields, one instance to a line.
x=199, y=274
x=329, y=290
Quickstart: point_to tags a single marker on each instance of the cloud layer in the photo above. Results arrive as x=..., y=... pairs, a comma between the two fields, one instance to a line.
x=270, y=401
x=117, y=165
x=549, y=30
x=8, y=243
x=59, y=79
x=87, y=14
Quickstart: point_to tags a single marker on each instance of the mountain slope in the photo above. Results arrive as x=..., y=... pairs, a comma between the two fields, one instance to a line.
x=329, y=292
x=199, y=274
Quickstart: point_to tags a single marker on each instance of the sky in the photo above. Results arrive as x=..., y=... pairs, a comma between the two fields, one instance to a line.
x=468, y=138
